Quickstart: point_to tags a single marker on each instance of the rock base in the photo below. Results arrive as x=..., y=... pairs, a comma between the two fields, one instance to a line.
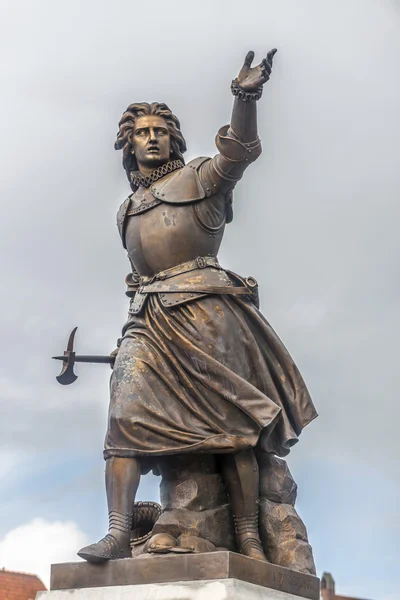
x=197, y=514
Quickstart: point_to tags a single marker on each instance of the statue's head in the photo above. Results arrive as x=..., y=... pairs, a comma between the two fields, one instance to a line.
x=149, y=135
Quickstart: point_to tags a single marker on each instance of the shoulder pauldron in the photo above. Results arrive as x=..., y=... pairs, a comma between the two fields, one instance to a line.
x=183, y=186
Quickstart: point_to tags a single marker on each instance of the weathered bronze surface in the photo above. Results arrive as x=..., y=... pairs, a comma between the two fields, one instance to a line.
x=187, y=567
x=199, y=372
x=196, y=508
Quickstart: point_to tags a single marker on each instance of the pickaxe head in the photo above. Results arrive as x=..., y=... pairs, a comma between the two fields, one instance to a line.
x=67, y=374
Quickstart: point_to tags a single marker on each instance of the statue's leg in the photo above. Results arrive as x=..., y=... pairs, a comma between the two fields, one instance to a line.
x=122, y=481
x=241, y=477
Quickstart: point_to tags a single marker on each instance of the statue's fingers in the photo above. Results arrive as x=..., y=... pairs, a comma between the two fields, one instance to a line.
x=249, y=58
x=271, y=54
x=265, y=75
x=266, y=66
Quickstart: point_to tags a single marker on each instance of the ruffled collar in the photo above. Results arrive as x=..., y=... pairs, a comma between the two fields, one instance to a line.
x=137, y=179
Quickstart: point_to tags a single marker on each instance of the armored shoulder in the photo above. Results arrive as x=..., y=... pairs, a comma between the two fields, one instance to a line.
x=183, y=186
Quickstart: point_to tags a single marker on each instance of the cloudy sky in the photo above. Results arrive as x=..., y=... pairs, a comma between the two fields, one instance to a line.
x=316, y=223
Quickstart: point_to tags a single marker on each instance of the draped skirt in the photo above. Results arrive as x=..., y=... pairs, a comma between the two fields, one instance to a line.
x=208, y=376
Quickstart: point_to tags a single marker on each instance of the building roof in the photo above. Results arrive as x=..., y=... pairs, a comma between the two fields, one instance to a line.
x=19, y=586
x=328, y=589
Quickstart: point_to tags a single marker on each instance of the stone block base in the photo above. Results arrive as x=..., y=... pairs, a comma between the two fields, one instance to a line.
x=217, y=589
x=187, y=569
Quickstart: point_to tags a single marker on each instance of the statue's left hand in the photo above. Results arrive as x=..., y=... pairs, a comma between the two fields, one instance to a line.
x=251, y=78
x=113, y=354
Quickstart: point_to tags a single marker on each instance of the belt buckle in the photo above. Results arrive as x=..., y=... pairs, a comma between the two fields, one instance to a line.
x=201, y=262
x=146, y=280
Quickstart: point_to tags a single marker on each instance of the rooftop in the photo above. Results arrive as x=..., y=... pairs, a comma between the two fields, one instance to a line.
x=19, y=586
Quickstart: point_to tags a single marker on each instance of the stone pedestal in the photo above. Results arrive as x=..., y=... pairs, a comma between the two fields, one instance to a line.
x=207, y=576
x=218, y=589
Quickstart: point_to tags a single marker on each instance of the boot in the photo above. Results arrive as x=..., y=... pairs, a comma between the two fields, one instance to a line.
x=241, y=478
x=122, y=480
x=113, y=545
x=247, y=537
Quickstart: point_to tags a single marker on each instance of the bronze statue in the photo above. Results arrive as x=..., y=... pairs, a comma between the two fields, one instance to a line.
x=198, y=369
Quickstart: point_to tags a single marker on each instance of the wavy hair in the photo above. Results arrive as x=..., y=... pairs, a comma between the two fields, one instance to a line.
x=127, y=125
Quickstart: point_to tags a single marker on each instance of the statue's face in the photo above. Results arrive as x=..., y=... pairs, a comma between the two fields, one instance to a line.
x=151, y=141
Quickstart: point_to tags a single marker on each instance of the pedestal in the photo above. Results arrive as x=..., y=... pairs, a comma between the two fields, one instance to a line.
x=219, y=589
x=207, y=576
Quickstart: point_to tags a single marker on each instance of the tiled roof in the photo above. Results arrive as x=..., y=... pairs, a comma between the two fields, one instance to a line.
x=19, y=586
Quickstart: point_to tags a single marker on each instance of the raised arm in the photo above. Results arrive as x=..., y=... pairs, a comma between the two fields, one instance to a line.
x=238, y=142
x=247, y=89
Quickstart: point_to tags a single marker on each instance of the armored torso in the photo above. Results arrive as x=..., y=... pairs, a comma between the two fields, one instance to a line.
x=175, y=220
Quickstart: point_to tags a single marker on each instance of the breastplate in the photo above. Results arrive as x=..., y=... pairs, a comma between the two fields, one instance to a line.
x=163, y=235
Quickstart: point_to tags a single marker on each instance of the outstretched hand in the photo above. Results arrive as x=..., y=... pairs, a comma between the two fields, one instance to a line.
x=252, y=78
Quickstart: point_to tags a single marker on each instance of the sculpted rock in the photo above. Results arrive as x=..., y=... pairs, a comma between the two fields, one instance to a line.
x=276, y=481
x=214, y=525
x=284, y=537
x=282, y=531
x=198, y=492
x=195, y=503
x=196, y=511
x=196, y=544
x=161, y=542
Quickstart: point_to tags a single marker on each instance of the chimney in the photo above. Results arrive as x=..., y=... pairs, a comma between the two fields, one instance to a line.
x=327, y=587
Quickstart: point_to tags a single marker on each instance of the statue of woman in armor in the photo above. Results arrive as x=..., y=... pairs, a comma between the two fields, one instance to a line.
x=198, y=368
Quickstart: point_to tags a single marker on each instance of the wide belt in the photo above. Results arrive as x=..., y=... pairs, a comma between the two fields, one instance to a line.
x=174, y=290
x=191, y=265
x=156, y=285
x=158, y=288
